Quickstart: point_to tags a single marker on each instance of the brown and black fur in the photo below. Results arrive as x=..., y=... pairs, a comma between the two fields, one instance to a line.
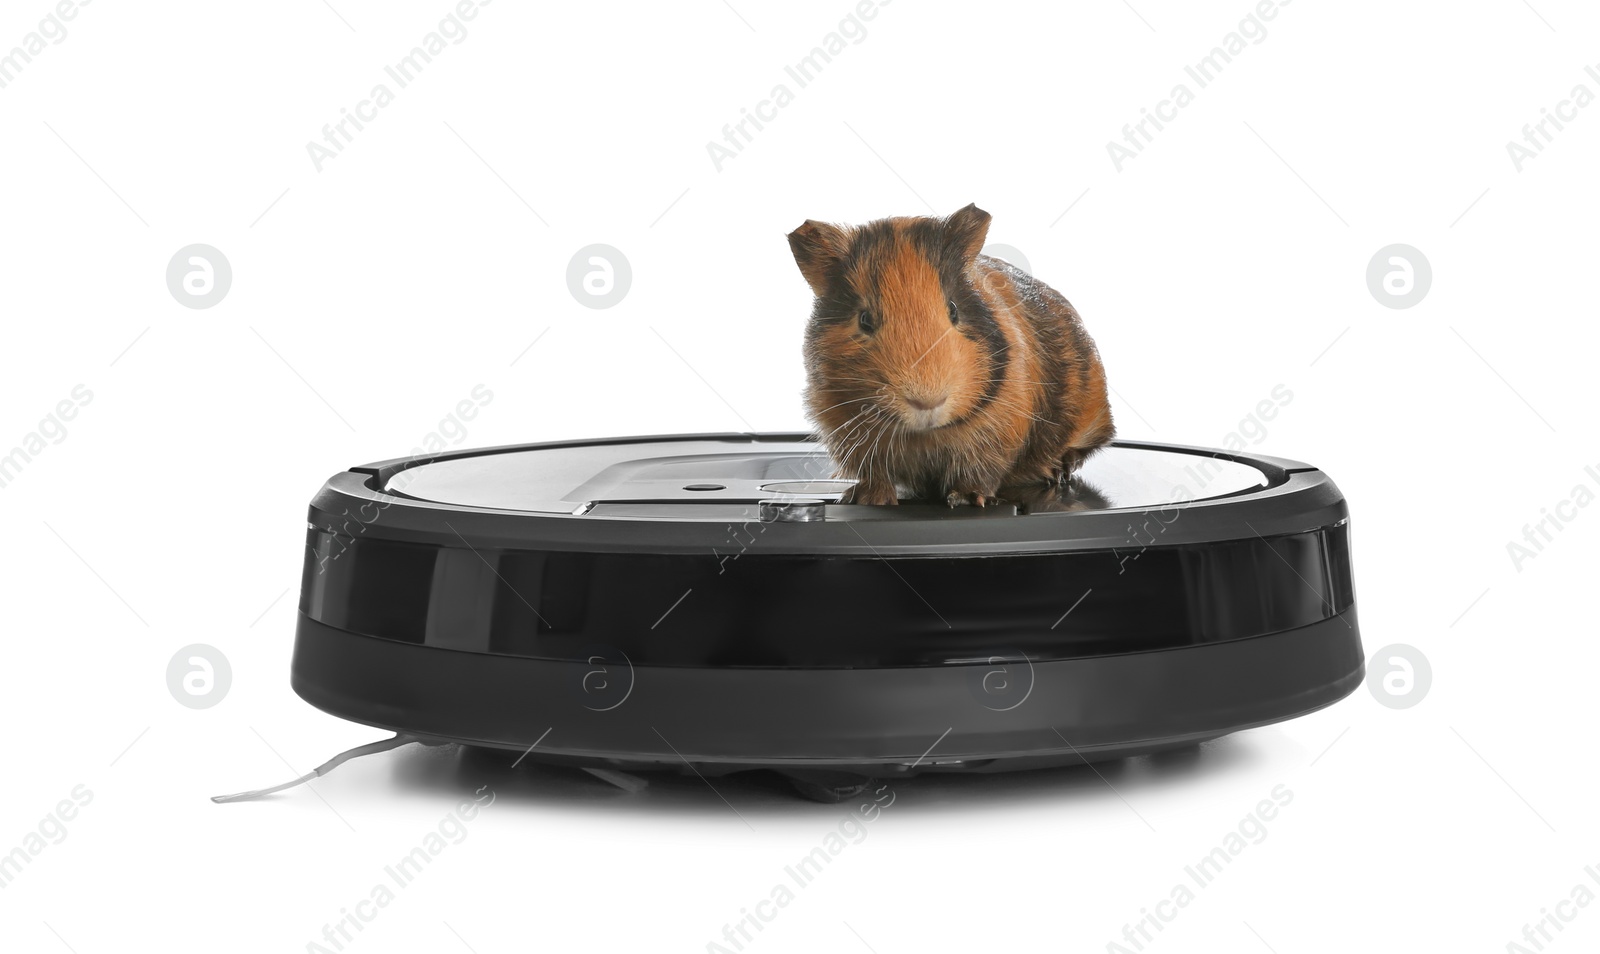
x=940, y=371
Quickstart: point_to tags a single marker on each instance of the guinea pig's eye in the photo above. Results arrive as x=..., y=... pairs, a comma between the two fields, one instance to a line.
x=867, y=322
x=955, y=319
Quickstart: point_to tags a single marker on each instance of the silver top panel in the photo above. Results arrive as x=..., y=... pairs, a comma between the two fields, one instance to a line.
x=676, y=480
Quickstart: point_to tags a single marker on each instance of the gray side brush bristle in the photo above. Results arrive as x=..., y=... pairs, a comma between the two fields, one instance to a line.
x=370, y=748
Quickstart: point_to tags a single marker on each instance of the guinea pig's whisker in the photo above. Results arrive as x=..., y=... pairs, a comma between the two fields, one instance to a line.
x=873, y=435
x=837, y=451
x=832, y=439
x=862, y=416
x=853, y=438
x=843, y=403
x=868, y=428
x=886, y=441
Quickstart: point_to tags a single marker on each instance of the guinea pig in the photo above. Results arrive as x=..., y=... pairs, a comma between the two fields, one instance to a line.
x=936, y=370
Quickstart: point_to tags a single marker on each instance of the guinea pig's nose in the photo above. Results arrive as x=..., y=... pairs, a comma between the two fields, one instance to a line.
x=926, y=404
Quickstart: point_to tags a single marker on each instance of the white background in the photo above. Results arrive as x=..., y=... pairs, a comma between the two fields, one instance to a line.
x=372, y=296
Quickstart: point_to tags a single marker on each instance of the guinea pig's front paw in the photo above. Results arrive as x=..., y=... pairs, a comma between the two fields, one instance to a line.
x=976, y=498
x=874, y=494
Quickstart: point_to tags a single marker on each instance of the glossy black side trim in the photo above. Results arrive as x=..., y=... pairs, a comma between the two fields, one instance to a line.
x=752, y=609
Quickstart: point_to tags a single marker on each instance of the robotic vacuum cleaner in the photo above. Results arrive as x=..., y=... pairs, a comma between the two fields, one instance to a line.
x=706, y=603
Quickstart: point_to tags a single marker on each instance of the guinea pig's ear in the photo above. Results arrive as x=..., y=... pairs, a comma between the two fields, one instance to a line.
x=818, y=249
x=965, y=230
